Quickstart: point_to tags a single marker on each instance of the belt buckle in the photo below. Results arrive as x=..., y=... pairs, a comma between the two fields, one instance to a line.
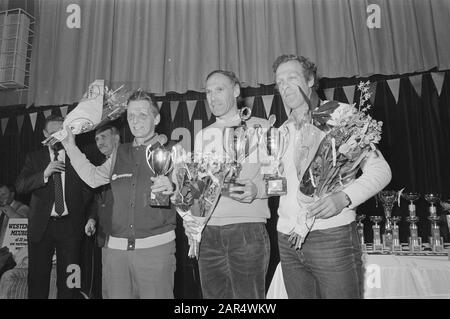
x=131, y=244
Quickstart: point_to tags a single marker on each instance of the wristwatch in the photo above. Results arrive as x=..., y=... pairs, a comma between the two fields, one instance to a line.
x=348, y=199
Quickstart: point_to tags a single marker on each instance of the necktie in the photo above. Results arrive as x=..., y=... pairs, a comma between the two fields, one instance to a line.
x=59, y=199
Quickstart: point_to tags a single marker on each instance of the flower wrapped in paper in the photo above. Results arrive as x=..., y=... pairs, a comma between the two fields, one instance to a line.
x=199, y=180
x=331, y=148
x=98, y=106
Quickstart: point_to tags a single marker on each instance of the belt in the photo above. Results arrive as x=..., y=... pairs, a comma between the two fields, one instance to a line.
x=56, y=218
x=140, y=243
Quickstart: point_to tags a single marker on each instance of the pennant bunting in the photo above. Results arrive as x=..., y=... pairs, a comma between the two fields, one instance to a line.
x=33, y=117
x=64, y=110
x=249, y=101
x=20, y=119
x=438, y=79
x=173, y=109
x=349, y=93
x=207, y=109
x=4, y=123
x=416, y=81
x=394, y=85
x=329, y=94
x=190, y=108
x=47, y=113
x=267, y=101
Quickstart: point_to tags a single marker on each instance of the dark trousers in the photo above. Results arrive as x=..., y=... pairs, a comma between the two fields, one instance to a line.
x=328, y=265
x=58, y=236
x=91, y=269
x=233, y=261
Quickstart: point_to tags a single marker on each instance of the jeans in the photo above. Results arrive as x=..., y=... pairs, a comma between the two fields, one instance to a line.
x=328, y=265
x=233, y=261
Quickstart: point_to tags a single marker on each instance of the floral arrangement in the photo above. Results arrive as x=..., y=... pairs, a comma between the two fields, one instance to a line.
x=199, y=180
x=98, y=106
x=349, y=134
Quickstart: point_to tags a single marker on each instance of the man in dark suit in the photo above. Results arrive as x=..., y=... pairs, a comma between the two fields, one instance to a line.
x=56, y=217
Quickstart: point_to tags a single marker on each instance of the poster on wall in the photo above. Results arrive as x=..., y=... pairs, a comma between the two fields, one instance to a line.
x=16, y=234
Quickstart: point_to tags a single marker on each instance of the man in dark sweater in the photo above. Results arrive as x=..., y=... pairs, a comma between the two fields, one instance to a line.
x=139, y=259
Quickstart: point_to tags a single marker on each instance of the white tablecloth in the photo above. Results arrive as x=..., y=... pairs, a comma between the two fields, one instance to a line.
x=389, y=276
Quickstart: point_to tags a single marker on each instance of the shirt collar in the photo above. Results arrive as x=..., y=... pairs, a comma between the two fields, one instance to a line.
x=235, y=120
x=148, y=141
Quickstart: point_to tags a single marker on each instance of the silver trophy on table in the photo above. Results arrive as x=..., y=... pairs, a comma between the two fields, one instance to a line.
x=275, y=140
x=388, y=198
x=414, y=241
x=236, y=144
x=160, y=162
x=396, y=245
x=360, y=230
x=436, y=241
x=377, y=245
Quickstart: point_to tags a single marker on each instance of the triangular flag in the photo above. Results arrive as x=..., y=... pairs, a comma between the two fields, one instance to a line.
x=207, y=109
x=373, y=92
x=416, y=81
x=159, y=103
x=33, y=117
x=64, y=110
x=4, y=123
x=394, y=85
x=287, y=109
x=249, y=101
x=349, y=93
x=329, y=93
x=267, y=101
x=173, y=109
x=47, y=113
x=438, y=79
x=190, y=108
x=20, y=119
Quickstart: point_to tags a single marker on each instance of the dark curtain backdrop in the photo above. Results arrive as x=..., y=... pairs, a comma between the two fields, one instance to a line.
x=416, y=139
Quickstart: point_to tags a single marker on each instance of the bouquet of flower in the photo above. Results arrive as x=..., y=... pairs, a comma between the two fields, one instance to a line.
x=349, y=134
x=199, y=180
x=98, y=106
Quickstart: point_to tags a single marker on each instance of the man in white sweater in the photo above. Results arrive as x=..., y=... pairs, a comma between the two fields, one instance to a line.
x=328, y=264
x=235, y=248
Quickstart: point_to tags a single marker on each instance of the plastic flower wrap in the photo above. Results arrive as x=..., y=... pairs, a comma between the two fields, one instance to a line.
x=199, y=180
x=98, y=106
x=336, y=145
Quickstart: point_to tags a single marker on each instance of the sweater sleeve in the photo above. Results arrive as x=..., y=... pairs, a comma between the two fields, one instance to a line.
x=376, y=175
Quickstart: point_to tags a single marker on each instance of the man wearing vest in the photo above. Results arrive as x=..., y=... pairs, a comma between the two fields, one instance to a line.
x=139, y=259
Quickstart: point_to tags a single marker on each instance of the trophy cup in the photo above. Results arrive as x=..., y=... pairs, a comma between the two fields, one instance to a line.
x=236, y=144
x=412, y=197
x=160, y=162
x=275, y=141
x=415, y=242
x=360, y=230
x=377, y=246
x=436, y=241
x=396, y=245
x=388, y=199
